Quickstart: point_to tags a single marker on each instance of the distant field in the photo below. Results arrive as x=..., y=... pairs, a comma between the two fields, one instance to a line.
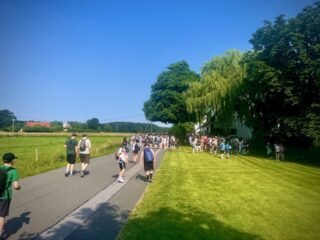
x=200, y=196
x=45, y=152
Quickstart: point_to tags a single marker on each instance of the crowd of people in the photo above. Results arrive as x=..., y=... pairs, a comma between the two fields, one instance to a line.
x=218, y=145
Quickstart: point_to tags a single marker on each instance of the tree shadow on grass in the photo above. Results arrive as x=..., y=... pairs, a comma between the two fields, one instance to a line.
x=168, y=224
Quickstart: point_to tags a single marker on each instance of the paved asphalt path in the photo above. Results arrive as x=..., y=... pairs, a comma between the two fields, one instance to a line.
x=52, y=206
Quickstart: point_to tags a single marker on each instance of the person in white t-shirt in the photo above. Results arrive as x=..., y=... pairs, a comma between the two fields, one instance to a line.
x=84, y=152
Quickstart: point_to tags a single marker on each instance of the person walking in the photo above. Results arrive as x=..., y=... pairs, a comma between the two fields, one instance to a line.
x=149, y=159
x=123, y=160
x=71, y=146
x=84, y=151
x=135, y=152
x=9, y=179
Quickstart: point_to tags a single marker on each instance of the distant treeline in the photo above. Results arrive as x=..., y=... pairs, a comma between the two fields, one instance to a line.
x=136, y=127
x=9, y=123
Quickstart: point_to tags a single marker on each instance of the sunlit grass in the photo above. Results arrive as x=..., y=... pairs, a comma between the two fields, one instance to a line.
x=199, y=196
x=39, y=154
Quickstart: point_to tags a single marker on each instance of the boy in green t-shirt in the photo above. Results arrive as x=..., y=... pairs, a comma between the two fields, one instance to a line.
x=11, y=181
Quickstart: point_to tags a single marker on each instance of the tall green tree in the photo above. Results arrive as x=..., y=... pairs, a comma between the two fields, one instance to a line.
x=281, y=93
x=218, y=89
x=93, y=124
x=167, y=102
x=6, y=118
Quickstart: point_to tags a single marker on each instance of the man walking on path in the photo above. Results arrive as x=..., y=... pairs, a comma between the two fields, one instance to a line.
x=84, y=151
x=9, y=178
x=71, y=146
x=149, y=159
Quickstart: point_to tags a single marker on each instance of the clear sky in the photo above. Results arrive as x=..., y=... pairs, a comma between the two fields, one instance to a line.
x=72, y=60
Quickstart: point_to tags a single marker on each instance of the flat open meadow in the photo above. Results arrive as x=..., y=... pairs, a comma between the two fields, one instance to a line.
x=40, y=153
x=200, y=196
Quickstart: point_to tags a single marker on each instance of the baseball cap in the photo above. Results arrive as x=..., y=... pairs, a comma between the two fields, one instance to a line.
x=8, y=157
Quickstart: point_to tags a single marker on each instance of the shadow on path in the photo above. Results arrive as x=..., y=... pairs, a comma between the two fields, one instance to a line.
x=14, y=224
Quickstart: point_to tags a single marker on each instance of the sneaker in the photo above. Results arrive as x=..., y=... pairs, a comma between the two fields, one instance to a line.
x=120, y=180
x=71, y=174
x=82, y=173
x=66, y=174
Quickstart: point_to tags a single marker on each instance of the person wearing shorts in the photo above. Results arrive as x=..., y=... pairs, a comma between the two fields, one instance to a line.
x=123, y=159
x=71, y=146
x=149, y=159
x=11, y=181
x=84, y=154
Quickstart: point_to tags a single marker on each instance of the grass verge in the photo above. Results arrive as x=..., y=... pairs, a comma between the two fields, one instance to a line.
x=199, y=196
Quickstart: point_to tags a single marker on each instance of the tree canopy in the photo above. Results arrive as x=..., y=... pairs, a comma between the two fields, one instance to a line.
x=218, y=88
x=167, y=103
x=281, y=93
x=6, y=118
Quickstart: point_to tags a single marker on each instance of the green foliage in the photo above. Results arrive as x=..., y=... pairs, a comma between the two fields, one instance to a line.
x=93, y=124
x=167, y=103
x=181, y=131
x=6, y=118
x=217, y=91
x=106, y=127
x=37, y=129
x=130, y=127
x=281, y=93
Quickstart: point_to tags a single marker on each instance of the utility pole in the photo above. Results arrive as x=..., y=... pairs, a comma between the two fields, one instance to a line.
x=13, y=124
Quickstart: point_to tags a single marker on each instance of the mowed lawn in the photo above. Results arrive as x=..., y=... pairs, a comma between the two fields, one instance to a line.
x=37, y=154
x=199, y=196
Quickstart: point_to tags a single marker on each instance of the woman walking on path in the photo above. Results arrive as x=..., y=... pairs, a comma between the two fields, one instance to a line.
x=123, y=160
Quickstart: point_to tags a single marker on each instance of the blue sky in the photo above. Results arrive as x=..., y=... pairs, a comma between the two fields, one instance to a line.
x=72, y=60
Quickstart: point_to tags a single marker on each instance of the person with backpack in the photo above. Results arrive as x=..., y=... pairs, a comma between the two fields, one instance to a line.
x=9, y=177
x=122, y=157
x=84, y=151
x=71, y=146
x=149, y=159
x=135, y=152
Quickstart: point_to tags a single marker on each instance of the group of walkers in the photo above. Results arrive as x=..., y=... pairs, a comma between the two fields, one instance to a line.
x=147, y=157
x=278, y=150
x=74, y=149
x=218, y=145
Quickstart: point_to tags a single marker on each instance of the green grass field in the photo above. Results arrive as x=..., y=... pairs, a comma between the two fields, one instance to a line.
x=39, y=154
x=199, y=196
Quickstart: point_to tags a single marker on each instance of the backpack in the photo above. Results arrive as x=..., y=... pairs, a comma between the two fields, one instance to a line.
x=3, y=180
x=136, y=147
x=148, y=156
x=82, y=145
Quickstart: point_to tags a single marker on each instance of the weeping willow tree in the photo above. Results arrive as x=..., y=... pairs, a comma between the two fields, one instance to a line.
x=217, y=90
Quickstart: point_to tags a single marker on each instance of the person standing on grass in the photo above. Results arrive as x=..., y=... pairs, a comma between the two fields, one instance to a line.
x=227, y=149
x=149, y=159
x=123, y=160
x=71, y=146
x=10, y=179
x=84, y=151
x=222, y=147
x=277, y=150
